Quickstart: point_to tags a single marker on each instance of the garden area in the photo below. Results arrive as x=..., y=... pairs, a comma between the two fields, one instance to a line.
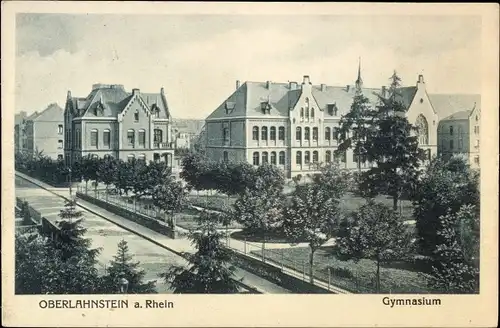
x=357, y=277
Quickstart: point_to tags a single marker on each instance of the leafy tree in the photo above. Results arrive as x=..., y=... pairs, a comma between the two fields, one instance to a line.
x=124, y=176
x=30, y=253
x=393, y=147
x=314, y=211
x=123, y=266
x=443, y=189
x=106, y=172
x=191, y=169
x=374, y=232
x=88, y=169
x=209, y=271
x=170, y=196
x=457, y=267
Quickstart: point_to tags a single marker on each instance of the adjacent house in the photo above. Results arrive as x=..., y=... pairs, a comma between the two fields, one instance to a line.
x=110, y=121
x=43, y=132
x=459, y=129
x=293, y=125
x=19, y=122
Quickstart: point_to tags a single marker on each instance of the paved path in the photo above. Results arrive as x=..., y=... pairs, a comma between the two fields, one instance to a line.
x=155, y=251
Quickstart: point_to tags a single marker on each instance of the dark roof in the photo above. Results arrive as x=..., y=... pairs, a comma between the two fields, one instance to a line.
x=247, y=99
x=113, y=99
x=449, y=104
x=406, y=95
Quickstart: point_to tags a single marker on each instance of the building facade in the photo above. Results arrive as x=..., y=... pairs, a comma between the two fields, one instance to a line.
x=113, y=122
x=43, y=133
x=294, y=125
x=19, y=122
x=459, y=132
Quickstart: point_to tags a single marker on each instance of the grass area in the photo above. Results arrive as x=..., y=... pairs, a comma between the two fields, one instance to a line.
x=401, y=277
x=351, y=202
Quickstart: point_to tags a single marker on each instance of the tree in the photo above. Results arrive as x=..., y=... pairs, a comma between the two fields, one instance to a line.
x=124, y=176
x=209, y=271
x=123, y=266
x=88, y=169
x=106, y=172
x=192, y=168
x=356, y=127
x=457, y=267
x=393, y=147
x=445, y=186
x=314, y=211
x=374, y=232
x=170, y=196
x=30, y=255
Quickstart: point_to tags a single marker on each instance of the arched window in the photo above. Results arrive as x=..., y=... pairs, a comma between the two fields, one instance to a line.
x=225, y=156
x=272, y=133
x=142, y=157
x=307, y=157
x=302, y=113
x=307, y=113
x=264, y=133
x=281, y=133
x=422, y=130
x=298, y=157
x=255, y=133
x=281, y=159
x=315, y=133
x=273, y=157
x=255, y=158
x=328, y=156
x=312, y=113
x=136, y=116
x=451, y=130
x=298, y=133
x=131, y=137
x=335, y=133
x=307, y=132
x=477, y=118
x=93, y=137
x=130, y=158
x=315, y=157
x=327, y=133
x=264, y=157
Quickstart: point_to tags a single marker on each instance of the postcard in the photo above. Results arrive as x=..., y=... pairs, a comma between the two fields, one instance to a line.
x=179, y=164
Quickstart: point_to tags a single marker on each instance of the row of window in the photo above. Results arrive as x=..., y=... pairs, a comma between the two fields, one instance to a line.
x=94, y=137
x=272, y=133
x=265, y=158
x=330, y=133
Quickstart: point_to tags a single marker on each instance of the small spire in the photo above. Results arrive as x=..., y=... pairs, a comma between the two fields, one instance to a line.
x=359, y=80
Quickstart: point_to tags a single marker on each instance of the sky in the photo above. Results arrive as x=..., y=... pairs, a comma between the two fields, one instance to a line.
x=198, y=58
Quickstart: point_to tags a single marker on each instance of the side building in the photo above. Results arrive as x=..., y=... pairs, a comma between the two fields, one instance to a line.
x=459, y=130
x=113, y=122
x=19, y=122
x=43, y=132
x=294, y=125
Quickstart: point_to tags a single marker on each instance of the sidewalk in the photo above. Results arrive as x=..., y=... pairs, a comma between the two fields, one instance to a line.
x=176, y=246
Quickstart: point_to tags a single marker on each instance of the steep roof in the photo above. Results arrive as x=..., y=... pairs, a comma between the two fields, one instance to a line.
x=462, y=115
x=53, y=112
x=112, y=99
x=247, y=99
x=406, y=95
x=449, y=104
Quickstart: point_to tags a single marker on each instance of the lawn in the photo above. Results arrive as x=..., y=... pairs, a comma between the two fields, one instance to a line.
x=401, y=277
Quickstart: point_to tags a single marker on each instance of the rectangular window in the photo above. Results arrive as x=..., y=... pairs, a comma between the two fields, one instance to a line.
x=142, y=138
x=158, y=135
x=107, y=138
x=60, y=129
x=451, y=144
x=315, y=133
x=136, y=116
x=335, y=131
x=225, y=134
x=307, y=157
x=460, y=143
x=272, y=134
x=93, y=138
x=282, y=158
x=60, y=144
x=476, y=159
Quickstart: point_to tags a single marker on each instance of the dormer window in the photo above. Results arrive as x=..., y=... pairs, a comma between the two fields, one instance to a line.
x=99, y=109
x=332, y=109
x=229, y=106
x=155, y=110
x=265, y=107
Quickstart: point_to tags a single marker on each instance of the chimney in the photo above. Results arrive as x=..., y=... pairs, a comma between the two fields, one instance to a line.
x=323, y=87
x=268, y=84
x=347, y=88
x=292, y=85
x=421, y=79
x=69, y=95
x=162, y=90
x=306, y=80
x=135, y=92
x=237, y=84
